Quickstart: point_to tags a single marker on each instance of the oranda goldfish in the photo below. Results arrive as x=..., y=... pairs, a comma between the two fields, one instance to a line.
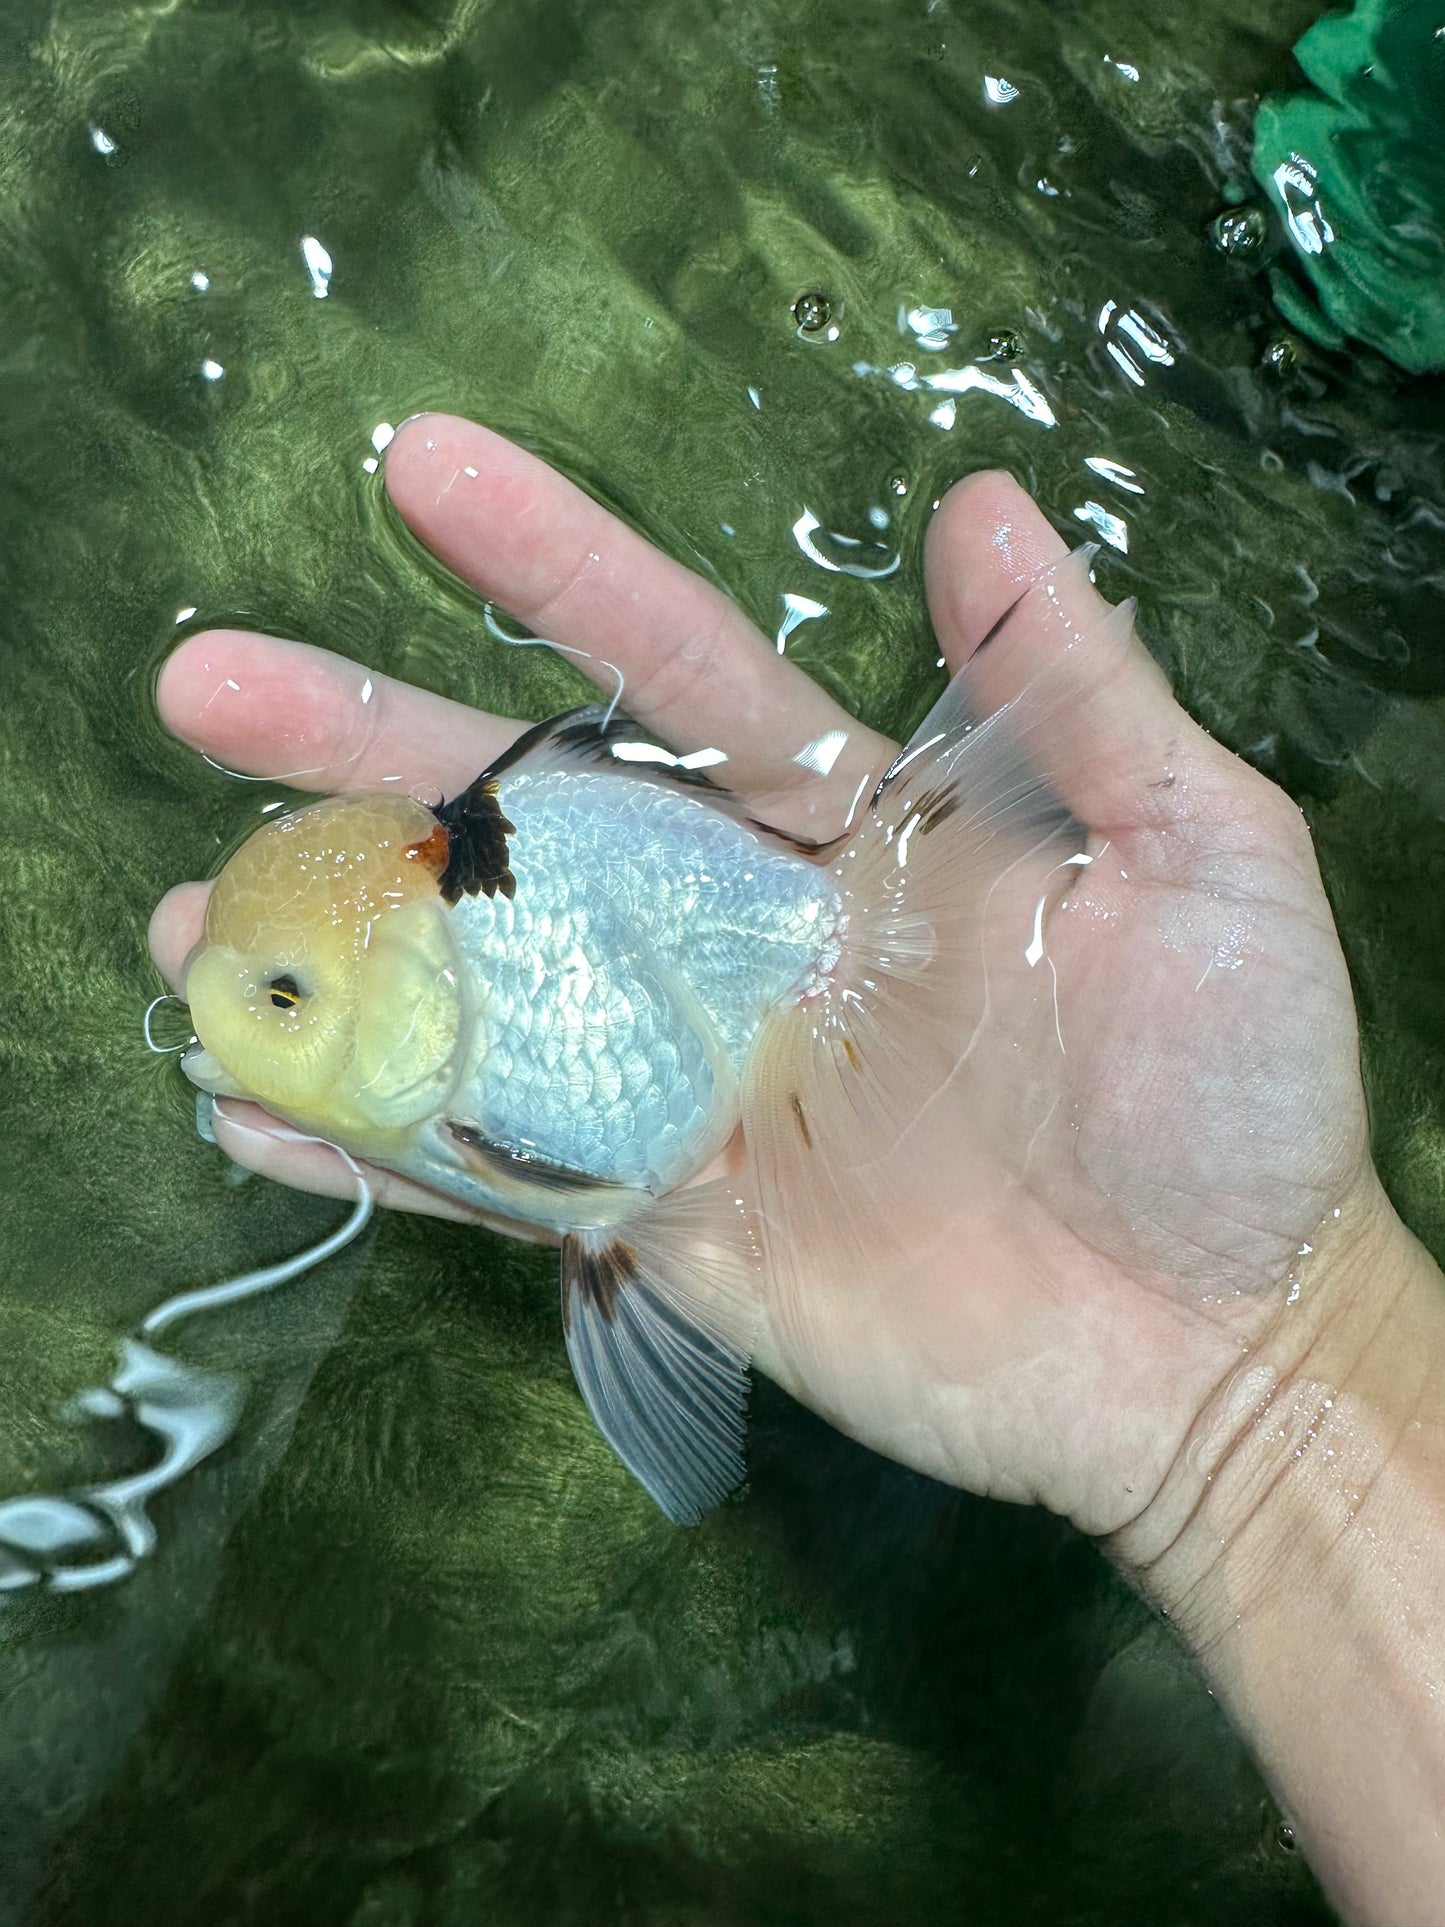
x=593, y=999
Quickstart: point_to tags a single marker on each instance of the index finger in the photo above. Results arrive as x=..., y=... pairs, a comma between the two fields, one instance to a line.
x=693, y=667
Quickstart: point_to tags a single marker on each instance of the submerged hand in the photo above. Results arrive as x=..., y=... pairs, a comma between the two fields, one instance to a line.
x=1107, y=1207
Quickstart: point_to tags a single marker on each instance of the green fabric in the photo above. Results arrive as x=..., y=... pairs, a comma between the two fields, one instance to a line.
x=413, y=1648
x=1357, y=171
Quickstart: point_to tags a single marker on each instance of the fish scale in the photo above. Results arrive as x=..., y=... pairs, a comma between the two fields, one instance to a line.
x=622, y=984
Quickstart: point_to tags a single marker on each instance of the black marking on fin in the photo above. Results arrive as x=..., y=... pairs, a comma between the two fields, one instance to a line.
x=936, y=806
x=910, y=749
x=477, y=854
x=529, y=740
x=802, y=1120
x=525, y=1167
x=591, y=733
x=806, y=845
x=669, y=1397
x=599, y=1278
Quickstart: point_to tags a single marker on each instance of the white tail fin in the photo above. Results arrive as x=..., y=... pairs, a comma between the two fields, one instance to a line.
x=859, y=1099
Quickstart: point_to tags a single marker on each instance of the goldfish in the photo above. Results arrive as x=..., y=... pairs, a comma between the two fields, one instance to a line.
x=596, y=1001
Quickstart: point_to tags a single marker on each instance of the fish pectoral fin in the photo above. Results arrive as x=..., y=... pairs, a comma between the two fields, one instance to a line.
x=659, y=1315
x=516, y=1165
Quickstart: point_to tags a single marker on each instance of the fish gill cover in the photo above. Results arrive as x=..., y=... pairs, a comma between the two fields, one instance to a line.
x=412, y=1647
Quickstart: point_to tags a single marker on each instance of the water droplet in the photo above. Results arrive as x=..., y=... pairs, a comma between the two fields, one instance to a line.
x=1239, y=230
x=1116, y=472
x=797, y=609
x=1113, y=528
x=930, y=327
x=1296, y=183
x=48, y=1528
x=843, y=554
x=821, y=754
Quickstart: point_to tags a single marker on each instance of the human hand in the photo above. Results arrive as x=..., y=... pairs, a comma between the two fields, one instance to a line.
x=1096, y=1219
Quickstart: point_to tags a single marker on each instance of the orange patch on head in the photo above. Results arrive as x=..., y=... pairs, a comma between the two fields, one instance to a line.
x=433, y=853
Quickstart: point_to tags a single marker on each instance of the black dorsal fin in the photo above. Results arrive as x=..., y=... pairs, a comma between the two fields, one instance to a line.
x=478, y=858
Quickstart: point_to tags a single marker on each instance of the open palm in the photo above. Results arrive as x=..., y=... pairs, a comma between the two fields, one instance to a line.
x=1033, y=1286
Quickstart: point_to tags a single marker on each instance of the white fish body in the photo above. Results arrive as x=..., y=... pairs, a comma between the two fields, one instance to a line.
x=622, y=983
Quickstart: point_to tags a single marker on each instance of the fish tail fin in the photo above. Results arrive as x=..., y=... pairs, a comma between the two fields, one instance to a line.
x=856, y=1093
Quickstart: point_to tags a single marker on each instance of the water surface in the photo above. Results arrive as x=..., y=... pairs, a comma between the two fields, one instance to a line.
x=412, y=1648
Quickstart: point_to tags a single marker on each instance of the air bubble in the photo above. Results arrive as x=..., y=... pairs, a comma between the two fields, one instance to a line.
x=1280, y=357
x=1239, y=231
x=812, y=312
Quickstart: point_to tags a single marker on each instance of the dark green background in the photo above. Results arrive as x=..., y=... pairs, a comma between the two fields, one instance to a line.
x=413, y=1648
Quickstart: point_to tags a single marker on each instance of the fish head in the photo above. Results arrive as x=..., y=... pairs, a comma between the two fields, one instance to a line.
x=328, y=986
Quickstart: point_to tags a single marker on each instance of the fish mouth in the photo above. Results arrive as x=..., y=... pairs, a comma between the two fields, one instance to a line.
x=207, y=1073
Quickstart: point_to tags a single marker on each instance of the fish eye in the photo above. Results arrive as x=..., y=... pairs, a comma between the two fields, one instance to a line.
x=285, y=992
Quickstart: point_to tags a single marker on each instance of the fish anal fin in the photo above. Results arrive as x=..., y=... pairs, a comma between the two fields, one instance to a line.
x=599, y=1273
x=659, y=1316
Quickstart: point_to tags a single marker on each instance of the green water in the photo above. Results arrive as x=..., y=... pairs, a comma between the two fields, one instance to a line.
x=412, y=1648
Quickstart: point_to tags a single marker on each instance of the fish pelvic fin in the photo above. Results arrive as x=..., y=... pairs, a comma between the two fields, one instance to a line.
x=659, y=1314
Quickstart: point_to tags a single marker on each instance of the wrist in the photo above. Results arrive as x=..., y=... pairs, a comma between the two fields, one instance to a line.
x=1298, y=1544
x=1345, y=1386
